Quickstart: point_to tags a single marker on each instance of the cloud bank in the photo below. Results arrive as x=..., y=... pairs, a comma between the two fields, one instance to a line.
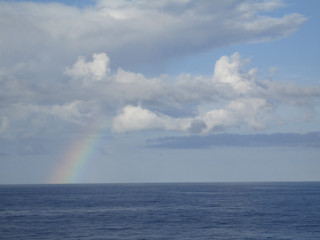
x=64, y=67
x=133, y=32
x=232, y=99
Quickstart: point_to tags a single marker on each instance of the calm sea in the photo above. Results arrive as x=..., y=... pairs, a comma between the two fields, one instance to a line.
x=161, y=211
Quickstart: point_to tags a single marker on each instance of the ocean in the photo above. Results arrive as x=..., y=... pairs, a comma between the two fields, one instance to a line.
x=161, y=211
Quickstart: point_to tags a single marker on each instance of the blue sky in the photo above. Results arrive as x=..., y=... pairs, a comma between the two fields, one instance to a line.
x=168, y=91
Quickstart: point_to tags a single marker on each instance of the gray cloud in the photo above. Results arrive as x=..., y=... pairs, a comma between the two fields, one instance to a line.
x=233, y=98
x=291, y=140
x=63, y=66
x=132, y=32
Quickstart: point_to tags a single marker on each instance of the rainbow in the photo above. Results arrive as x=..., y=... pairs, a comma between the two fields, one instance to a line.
x=76, y=157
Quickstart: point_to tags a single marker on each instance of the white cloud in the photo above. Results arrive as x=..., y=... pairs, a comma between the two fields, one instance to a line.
x=90, y=71
x=229, y=70
x=136, y=118
x=242, y=101
x=233, y=98
x=251, y=111
x=236, y=114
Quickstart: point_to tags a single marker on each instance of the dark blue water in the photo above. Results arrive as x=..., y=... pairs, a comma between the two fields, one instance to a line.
x=161, y=211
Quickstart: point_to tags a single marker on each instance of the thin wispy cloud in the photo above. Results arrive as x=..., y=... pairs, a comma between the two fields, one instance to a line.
x=278, y=140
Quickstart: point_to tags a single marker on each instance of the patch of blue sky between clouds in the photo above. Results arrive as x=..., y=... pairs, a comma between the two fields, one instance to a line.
x=295, y=58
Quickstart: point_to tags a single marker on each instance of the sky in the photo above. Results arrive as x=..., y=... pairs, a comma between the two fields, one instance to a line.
x=119, y=91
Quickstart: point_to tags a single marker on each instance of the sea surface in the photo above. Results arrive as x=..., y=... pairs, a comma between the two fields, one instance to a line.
x=161, y=211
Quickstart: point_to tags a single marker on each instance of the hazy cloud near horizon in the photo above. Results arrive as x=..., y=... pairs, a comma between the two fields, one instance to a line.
x=279, y=140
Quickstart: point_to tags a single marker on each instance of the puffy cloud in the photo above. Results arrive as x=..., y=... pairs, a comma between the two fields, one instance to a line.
x=136, y=118
x=242, y=100
x=232, y=99
x=90, y=71
x=237, y=113
x=229, y=70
